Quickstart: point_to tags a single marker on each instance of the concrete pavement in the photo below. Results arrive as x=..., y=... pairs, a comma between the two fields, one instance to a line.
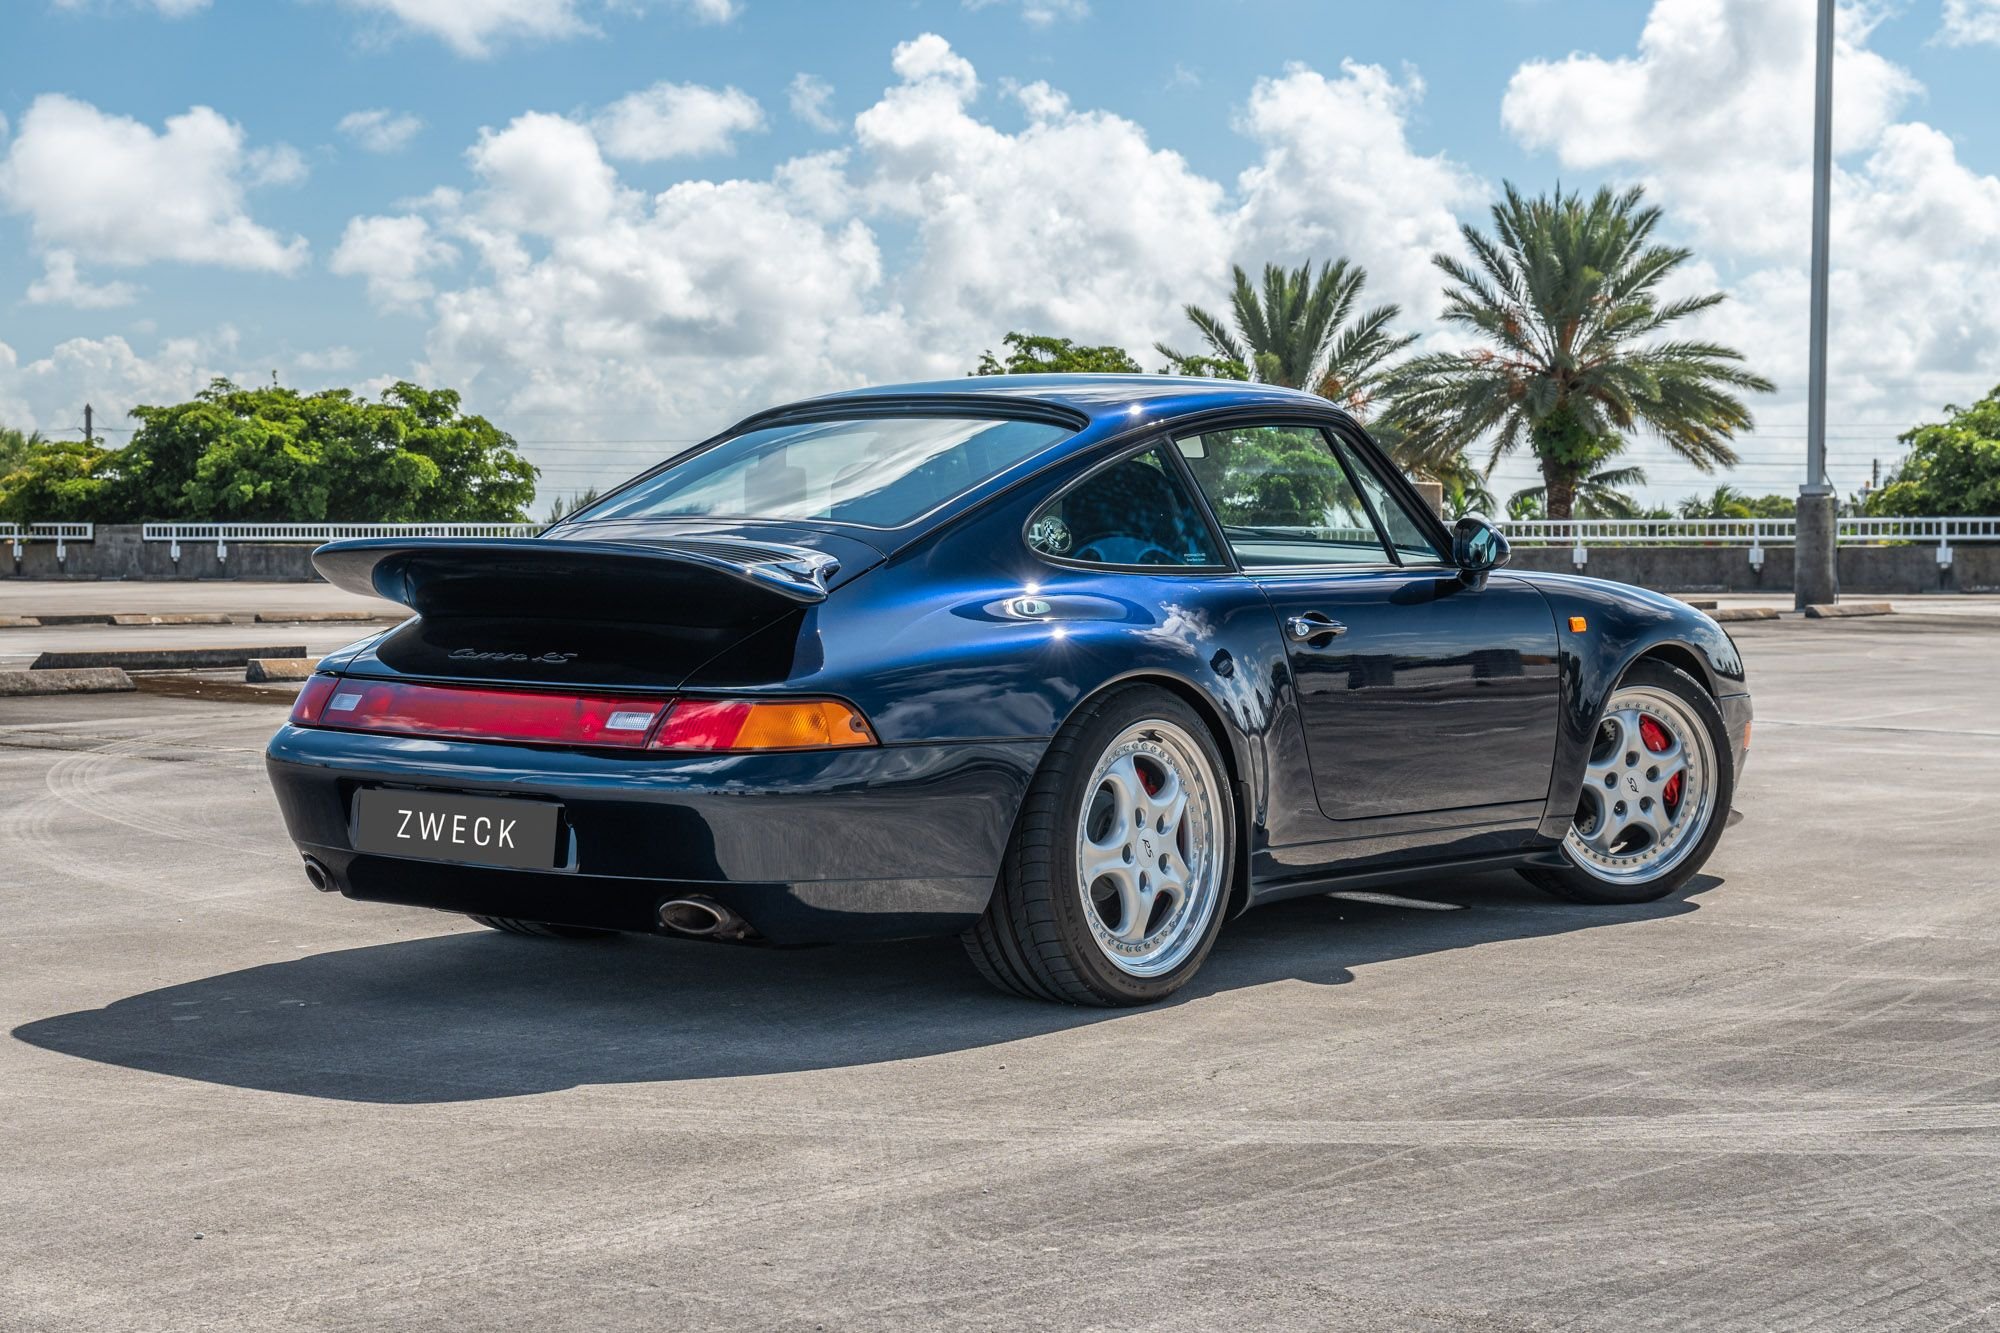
x=232, y=1103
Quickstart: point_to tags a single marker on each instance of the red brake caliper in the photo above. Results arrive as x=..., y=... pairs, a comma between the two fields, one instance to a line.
x=1656, y=739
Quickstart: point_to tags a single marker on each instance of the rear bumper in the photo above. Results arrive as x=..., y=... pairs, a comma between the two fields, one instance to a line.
x=1736, y=716
x=840, y=845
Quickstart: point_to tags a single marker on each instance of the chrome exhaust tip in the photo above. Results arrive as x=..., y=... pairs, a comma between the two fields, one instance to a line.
x=703, y=918
x=319, y=876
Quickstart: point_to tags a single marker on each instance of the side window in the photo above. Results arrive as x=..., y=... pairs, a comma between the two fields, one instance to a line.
x=1402, y=529
x=1282, y=497
x=1137, y=512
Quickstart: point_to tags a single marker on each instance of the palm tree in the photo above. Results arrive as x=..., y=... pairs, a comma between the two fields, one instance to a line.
x=1564, y=299
x=1726, y=502
x=1296, y=332
x=16, y=445
x=1465, y=489
x=1599, y=495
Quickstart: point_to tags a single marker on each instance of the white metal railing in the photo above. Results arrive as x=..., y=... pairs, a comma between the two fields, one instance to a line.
x=1753, y=533
x=1738, y=531
x=224, y=533
x=62, y=534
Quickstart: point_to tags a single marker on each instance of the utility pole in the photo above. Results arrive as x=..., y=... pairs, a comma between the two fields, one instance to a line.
x=1816, y=566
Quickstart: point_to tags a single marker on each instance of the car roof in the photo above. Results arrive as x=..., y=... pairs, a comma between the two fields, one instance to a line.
x=1099, y=398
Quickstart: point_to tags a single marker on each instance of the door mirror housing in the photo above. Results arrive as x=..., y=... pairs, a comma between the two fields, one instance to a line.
x=1477, y=548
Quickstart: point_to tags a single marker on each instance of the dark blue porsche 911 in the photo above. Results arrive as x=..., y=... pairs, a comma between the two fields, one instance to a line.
x=1075, y=667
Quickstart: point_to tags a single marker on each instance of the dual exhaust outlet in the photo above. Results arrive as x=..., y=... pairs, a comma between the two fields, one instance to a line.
x=702, y=918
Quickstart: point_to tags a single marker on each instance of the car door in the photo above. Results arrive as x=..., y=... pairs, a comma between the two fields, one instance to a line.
x=1417, y=690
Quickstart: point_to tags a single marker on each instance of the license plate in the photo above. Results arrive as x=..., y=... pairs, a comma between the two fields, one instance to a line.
x=443, y=827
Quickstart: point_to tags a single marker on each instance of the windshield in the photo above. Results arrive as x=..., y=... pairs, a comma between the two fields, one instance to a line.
x=881, y=472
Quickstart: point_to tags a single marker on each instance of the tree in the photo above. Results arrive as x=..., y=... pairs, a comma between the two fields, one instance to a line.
x=56, y=481
x=1953, y=467
x=1599, y=495
x=1465, y=488
x=1297, y=332
x=564, y=506
x=1723, y=502
x=1036, y=354
x=1564, y=299
x=16, y=446
x=273, y=454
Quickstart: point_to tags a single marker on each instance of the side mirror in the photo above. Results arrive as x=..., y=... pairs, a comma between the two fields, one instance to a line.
x=1477, y=548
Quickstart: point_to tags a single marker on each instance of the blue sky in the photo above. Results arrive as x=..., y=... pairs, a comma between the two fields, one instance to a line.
x=1070, y=167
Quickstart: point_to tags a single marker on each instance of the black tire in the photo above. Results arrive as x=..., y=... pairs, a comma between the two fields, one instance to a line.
x=1034, y=940
x=1574, y=884
x=547, y=930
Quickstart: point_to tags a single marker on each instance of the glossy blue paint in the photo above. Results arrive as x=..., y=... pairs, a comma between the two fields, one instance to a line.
x=1448, y=725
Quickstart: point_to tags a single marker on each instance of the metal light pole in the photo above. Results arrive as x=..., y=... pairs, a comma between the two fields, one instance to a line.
x=1816, y=568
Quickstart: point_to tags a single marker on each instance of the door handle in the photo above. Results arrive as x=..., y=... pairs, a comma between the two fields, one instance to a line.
x=1313, y=625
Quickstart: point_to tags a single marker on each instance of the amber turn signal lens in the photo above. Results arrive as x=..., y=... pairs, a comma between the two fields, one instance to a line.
x=1577, y=624
x=1746, y=737
x=751, y=724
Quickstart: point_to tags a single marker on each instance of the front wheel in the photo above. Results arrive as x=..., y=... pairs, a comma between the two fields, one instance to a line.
x=1656, y=792
x=1113, y=887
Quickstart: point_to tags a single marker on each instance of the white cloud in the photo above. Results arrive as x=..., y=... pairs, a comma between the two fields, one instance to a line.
x=394, y=254
x=173, y=9
x=1971, y=22
x=1338, y=177
x=545, y=175
x=676, y=120
x=473, y=27
x=108, y=373
x=60, y=284
x=110, y=190
x=1715, y=107
x=1712, y=113
x=1075, y=224
x=809, y=97
x=476, y=28
x=711, y=11
x=1040, y=13
x=591, y=309
x=380, y=130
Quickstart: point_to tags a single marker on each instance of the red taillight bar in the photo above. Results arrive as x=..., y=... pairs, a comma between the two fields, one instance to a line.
x=737, y=726
x=406, y=709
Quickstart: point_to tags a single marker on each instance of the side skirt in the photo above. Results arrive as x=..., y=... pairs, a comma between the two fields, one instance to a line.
x=1549, y=856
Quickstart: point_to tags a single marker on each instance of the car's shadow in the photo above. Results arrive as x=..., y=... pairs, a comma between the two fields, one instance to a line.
x=475, y=1015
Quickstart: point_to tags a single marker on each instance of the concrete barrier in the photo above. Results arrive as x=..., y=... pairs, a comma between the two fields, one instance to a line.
x=174, y=618
x=164, y=659
x=82, y=680
x=262, y=670
x=1842, y=610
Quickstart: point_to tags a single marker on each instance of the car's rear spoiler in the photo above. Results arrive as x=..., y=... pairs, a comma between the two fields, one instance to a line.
x=685, y=581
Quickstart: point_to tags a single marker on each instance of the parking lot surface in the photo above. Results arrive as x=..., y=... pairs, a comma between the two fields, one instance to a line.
x=230, y=1102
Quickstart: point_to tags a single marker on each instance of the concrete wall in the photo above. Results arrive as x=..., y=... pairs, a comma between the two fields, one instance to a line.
x=1901, y=570
x=118, y=553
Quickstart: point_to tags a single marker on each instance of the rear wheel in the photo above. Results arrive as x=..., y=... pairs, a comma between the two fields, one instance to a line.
x=541, y=929
x=1656, y=792
x=1112, y=889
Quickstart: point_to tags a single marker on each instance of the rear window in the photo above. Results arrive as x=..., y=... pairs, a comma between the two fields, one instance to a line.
x=881, y=472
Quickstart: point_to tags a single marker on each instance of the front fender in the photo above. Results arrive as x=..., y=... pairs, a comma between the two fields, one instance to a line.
x=1624, y=624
